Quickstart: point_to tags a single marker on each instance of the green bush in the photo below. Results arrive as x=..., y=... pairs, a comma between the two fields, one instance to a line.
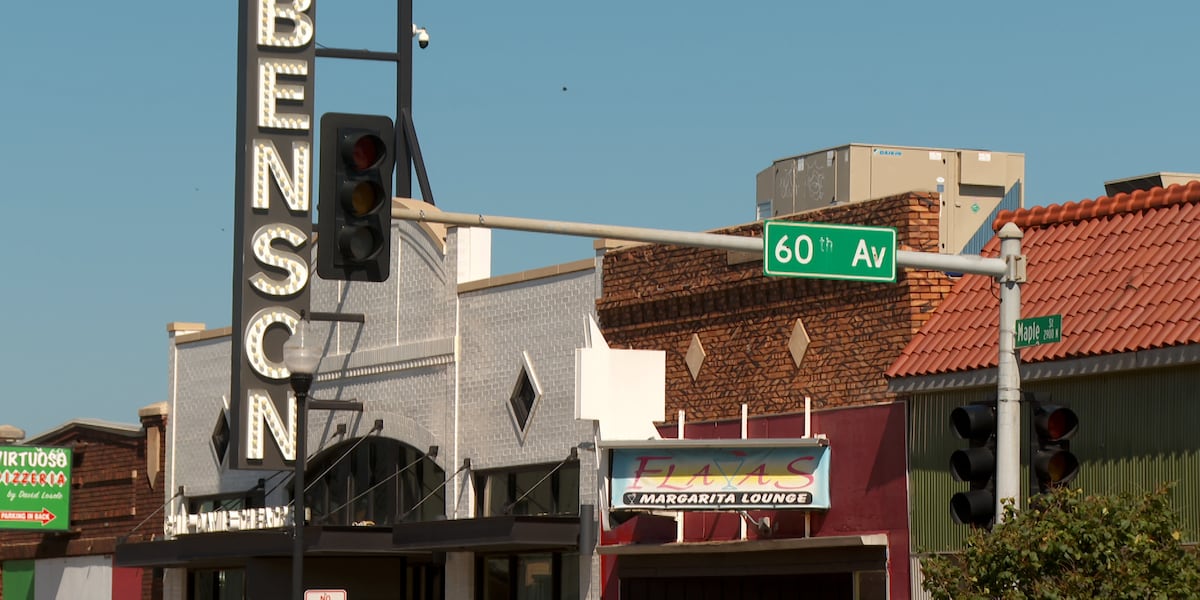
x=1071, y=546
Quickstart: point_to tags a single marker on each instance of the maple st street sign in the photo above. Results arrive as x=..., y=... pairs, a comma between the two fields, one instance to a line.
x=1038, y=330
x=829, y=251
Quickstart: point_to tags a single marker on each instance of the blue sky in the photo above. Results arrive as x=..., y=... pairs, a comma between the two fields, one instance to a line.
x=117, y=152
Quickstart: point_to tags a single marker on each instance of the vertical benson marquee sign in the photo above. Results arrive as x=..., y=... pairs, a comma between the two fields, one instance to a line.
x=272, y=223
x=36, y=486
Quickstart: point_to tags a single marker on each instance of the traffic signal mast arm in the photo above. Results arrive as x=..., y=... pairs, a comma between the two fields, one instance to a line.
x=1009, y=271
x=976, y=265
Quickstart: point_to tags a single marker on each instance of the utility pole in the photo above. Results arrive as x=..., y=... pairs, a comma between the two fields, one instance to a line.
x=408, y=149
x=404, y=91
x=1008, y=377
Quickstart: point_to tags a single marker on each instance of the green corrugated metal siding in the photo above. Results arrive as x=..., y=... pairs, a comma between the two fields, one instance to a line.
x=930, y=443
x=1137, y=430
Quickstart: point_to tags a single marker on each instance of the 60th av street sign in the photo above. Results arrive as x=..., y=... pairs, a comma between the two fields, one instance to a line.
x=827, y=251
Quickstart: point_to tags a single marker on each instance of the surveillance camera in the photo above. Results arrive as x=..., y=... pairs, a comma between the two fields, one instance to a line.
x=422, y=36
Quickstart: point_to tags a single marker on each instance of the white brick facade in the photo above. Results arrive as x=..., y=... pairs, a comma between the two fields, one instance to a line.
x=436, y=365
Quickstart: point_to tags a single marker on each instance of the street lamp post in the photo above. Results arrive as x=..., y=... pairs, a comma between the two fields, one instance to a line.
x=300, y=356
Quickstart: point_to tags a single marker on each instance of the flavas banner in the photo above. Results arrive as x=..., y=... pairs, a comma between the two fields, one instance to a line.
x=729, y=476
x=35, y=488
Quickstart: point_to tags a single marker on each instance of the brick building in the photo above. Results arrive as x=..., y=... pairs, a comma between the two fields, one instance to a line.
x=733, y=337
x=117, y=479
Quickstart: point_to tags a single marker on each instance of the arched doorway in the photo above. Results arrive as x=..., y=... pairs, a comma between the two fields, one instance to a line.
x=374, y=481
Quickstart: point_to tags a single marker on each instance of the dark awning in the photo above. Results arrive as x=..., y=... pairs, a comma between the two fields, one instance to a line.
x=488, y=534
x=878, y=540
x=236, y=547
x=786, y=556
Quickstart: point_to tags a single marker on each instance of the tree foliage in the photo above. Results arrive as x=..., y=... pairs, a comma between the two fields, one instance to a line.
x=1070, y=545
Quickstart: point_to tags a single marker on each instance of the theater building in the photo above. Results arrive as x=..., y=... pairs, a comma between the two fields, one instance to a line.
x=461, y=476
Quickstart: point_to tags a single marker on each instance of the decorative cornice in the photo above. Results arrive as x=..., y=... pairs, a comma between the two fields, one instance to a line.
x=364, y=363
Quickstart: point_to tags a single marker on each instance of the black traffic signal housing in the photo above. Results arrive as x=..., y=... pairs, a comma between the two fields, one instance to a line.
x=1054, y=465
x=975, y=464
x=354, y=227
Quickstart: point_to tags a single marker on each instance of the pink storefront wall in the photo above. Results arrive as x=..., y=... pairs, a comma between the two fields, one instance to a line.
x=867, y=481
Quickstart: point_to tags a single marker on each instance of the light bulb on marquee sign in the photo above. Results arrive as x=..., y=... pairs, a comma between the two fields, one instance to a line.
x=272, y=223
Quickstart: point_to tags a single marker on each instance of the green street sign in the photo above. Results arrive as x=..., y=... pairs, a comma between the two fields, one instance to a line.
x=825, y=251
x=1038, y=330
x=35, y=488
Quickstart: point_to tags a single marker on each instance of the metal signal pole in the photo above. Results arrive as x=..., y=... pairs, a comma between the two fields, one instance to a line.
x=1008, y=376
x=408, y=149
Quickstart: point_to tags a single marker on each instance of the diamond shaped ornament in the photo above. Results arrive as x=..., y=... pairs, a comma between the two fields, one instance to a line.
x=695, y=356
x=220, y=436
x=798, y=343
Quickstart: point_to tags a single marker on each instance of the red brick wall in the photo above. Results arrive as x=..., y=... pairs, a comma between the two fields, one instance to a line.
x=110, y=496
x=657, y=297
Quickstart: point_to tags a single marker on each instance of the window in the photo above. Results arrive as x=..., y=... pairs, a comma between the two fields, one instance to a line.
x=375, y=481
x=533, y=576
x=220, y=437
x=549, y=490
x=216, y=584
x=522, y=400
x=252, y=498
x=535, y=490
x=525, y=395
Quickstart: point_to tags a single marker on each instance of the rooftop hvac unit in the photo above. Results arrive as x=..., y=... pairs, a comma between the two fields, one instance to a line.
x=1147, y=182
x=974, y=185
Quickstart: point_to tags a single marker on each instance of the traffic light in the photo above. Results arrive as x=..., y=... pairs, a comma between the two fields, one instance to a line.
x=354, y=227
x=975, y=464
x=1053, y=463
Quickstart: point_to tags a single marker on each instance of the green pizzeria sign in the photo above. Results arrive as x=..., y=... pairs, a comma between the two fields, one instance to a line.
x=35, y=488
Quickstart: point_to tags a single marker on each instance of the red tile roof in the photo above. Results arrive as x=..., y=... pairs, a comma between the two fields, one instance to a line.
x=1124, y=273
